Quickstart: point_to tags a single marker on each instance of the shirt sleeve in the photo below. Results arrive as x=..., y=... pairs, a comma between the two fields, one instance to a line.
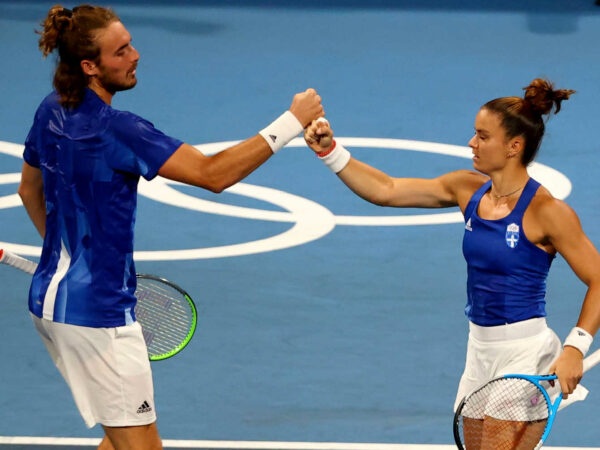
x=31, y=154
x=140, y=147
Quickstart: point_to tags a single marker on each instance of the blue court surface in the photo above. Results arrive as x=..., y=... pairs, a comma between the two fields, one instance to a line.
x=325, y=322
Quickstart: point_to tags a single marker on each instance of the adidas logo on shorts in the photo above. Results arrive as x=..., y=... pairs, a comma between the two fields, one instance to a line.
x=144, y=408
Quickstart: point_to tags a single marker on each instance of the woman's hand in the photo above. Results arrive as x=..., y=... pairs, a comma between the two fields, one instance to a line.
x=319, y=135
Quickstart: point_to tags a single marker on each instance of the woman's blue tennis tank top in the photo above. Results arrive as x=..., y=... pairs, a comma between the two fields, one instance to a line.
x=506, y=274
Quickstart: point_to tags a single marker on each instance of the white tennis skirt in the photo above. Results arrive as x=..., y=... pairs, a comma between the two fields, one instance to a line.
x=528, y=347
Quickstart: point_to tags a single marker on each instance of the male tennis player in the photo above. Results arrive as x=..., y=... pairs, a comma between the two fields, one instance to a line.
x=514, y=228
x=83, y=161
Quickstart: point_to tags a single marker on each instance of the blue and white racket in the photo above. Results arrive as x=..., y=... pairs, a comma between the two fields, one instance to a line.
x=510, y=412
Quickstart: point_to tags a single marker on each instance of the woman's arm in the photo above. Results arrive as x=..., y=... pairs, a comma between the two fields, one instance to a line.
x=565, y=233
x=376, y=186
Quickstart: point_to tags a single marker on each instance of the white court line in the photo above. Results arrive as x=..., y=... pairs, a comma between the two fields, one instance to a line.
x=246, y=445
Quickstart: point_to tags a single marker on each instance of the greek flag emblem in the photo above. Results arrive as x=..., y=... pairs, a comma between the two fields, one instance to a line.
x=512, y=235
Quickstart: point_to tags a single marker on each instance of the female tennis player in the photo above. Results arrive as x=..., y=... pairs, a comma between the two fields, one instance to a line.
x=513, y=229
x=83, y=161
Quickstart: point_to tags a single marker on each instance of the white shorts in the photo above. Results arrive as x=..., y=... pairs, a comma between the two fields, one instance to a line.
x=107, y=370
x=527, y=347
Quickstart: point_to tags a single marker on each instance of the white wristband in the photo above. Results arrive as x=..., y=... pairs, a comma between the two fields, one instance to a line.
x=281, y=131
x=580, y=339
x=337, y=159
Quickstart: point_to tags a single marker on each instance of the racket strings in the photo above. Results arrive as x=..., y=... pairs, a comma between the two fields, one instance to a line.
x=166, y=316
x=506, y=414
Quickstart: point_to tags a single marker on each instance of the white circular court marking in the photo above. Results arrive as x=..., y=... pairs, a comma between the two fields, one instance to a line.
x=310, y=220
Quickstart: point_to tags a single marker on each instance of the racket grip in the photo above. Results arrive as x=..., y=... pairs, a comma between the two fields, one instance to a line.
x=18, y=262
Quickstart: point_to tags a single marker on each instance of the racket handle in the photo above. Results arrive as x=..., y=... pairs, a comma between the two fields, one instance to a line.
x=17, y=261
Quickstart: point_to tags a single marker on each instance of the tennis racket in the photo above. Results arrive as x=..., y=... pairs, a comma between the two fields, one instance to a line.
x=513, y=411
x=165, y=311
